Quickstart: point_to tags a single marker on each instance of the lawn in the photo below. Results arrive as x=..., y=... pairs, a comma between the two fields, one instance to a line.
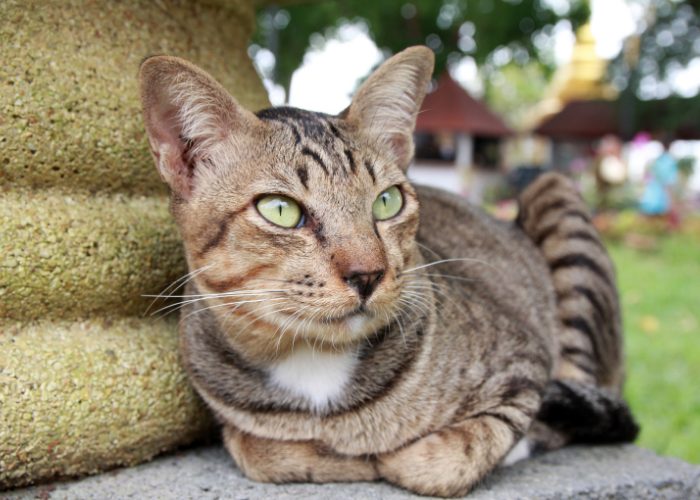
x=661, y=301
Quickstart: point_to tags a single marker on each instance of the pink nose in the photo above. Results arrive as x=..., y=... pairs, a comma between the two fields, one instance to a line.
x=364, y=282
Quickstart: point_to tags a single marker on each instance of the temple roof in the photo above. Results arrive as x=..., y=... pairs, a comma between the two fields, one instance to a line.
x=450, y=108
x=591, y=119
x=581, y=120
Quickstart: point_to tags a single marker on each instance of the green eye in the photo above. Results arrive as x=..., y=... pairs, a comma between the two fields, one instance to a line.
x=280, y=210
x=387, y=204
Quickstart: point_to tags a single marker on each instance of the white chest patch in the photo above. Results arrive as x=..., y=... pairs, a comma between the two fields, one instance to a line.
x=318, y=377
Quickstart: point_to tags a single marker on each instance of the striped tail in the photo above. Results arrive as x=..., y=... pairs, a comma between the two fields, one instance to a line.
x=555, y=217
x=584, y=400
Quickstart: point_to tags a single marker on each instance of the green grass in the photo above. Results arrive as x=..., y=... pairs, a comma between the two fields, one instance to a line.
x=661, y=303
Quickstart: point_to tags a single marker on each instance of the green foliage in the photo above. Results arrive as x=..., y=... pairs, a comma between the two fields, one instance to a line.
x=452, y=28
x=686, y=166
x=675, y=115
x=662, y=325
x=667, y=40
x=514, y=89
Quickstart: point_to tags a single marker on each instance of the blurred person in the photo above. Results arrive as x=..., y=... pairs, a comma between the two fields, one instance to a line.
x=658, y=198
x=610, y=170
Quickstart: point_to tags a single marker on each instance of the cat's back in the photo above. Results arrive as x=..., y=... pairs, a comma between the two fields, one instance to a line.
x=489, y=265
x=450, y=219
x=494, y=250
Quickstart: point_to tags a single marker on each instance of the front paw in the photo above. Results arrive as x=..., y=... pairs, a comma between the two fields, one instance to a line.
x=430, y=466
x=271, y=461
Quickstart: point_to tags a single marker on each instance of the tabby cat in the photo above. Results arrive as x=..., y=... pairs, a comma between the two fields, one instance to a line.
x=345, y=325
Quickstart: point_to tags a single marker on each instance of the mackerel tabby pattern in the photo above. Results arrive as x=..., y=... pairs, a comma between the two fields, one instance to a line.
x=424, y=348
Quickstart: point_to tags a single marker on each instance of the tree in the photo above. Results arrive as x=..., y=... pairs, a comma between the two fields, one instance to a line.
x=666, y=41
x=510, y=40
x=516, y=31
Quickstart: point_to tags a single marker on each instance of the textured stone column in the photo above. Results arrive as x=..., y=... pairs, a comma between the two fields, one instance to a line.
x=88, y=382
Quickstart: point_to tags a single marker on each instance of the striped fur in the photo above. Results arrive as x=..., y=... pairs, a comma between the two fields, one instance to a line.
x=583, y=402
x=475, y=335
x=556, y=218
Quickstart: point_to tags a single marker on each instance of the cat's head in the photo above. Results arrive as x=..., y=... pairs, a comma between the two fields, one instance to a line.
x=298, y=224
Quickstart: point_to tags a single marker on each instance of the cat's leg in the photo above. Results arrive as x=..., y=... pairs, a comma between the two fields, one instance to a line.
x=450, y=461
x=273, y=461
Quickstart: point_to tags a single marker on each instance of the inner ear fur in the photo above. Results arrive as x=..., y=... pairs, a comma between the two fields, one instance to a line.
x=186, y=113
x=387, y=103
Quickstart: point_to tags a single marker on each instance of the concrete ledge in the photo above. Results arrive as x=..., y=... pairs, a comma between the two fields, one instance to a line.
x=620, y=472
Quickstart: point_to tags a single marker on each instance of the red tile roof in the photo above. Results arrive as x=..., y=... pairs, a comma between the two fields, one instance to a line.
x=582, y=120
x=593, y=119
x=450, y=108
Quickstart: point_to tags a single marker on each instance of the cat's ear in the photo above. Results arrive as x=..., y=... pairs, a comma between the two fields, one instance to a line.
x=387, y=103
x=186, y=113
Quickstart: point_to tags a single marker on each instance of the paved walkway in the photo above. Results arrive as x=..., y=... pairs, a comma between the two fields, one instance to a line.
x=620, y=472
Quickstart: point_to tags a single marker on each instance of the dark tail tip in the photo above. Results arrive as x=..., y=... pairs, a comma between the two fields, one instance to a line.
x=587, y=414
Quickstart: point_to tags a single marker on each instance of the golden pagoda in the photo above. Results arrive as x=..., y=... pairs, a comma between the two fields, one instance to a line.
x=582, y=79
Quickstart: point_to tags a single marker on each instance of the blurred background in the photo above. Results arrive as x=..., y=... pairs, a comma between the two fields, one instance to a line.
x=606, y=91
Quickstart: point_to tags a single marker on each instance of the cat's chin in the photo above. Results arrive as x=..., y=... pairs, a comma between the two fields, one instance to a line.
x=355, y=323
x=348, y=328
x=352, y=316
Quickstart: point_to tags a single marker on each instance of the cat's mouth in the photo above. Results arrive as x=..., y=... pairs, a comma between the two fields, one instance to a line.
x=354, y=320
x=356, y=315
x=353, y=323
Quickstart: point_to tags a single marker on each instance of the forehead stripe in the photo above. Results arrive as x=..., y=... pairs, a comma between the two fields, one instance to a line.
x=281, y=118
x=303, y=175
x=295, y=131
x=334, y=130
x=370, y=170
x=351, y=160
x=307, y=152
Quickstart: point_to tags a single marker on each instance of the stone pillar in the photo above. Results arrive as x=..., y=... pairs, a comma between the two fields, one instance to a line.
x=88, y=382
x=464, y=159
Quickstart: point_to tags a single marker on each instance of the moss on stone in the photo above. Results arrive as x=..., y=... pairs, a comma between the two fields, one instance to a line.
x=79, y=397
x=74, y=255
x=69, y=109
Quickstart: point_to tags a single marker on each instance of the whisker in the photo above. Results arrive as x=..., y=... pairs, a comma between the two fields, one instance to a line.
x=178, y=283
x=285, y=325
x=251, y=322
x=439, y=289
x=450, y=276
x=444, y=261
x=279, y=341
x=235, y=304
x=429, y=250
x=172, y=307
x=220, y=295
x=401, y=330
x=416, y=301
x=303, y=325
x=240, y=330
